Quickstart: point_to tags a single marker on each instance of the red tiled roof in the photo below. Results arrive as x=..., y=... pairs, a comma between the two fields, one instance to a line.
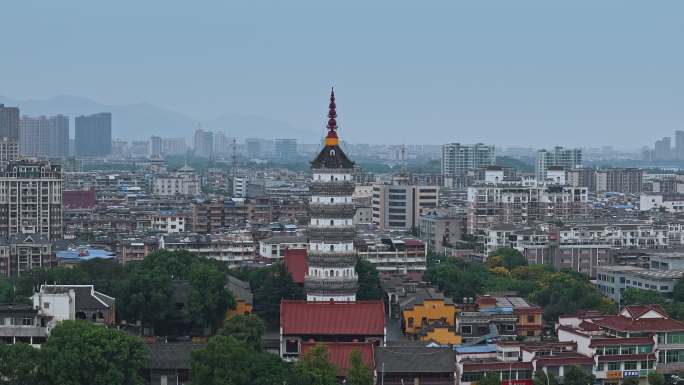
x=362, y=318
x=627, y=357
x=485, y=300
x=413, y=242
x=339, y=354
x=595, y=342
x=495, y=365
x=637, y=311
x=296, y=264
x=626, y=324
x=565, y=359
x=588, y=326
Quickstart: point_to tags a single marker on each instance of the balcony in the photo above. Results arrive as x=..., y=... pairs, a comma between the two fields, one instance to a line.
x=331, y=233
x=337, y=188
x=332, y=259
x=332, y=210
x=330, y=283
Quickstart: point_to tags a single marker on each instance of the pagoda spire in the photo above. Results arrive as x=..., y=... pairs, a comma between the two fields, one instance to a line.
x=332, y=139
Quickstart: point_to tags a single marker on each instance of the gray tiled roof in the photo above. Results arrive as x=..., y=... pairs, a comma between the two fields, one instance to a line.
x=170, y=355
x=415, y=360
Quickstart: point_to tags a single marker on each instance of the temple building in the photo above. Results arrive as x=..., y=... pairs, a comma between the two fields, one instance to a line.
x=331, y=257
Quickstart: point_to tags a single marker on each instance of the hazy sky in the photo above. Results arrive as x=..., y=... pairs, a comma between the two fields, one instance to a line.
x=509, y=72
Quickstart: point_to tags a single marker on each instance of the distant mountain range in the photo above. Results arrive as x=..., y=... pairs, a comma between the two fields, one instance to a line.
x=139, y=121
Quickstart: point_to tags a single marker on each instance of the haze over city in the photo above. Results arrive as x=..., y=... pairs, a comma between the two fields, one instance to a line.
x=524, y=73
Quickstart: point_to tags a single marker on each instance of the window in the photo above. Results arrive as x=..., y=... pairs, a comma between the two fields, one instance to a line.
x=599, y=367
x=530, y=319
x=630, y=365
x=410, y=322
x=647, y=364
x=612, y=350
x=472, y=377
x=46, y=305
x=466, y=329
x=292, y=346
x=613, y=366
x=628, y=350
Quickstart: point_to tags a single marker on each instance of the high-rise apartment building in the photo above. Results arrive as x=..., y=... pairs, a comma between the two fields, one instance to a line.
x=31, y=199
x=9, y=123
x=331, y=275
x=44, y=137
x=94, y=135
x=204, y=143
x=399, y=207
x=286, y=148
x=624, y=180
x=253, y=147
x=9, y=151
x=568, y=158
x=174, y=146
x=156, y=145
x=679, y=144
x=663, y=149
x=458, y=159
x=140, y=149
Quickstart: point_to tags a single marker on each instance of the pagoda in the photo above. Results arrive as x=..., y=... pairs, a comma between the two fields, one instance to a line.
x=331, y=274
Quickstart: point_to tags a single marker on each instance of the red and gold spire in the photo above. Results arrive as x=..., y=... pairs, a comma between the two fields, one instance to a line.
x=332, y=139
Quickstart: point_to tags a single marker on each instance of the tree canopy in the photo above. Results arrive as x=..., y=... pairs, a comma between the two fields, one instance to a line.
x=369, y=281
x=234, y=356
x=575, y=375
x=247, y=329
x=270, y=285
x=358, y=374
x=557, y=292
x=314, y=368
x=506, y=257
x=19, y=364
x=80, y=352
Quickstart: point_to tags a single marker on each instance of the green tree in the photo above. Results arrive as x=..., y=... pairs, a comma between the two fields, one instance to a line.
x=458, y=279
x=144, y=295
x=655, y=378
x=541, y=378
x=19, y=364
x=369, y=281
x=490, y=379
x=270, y=286
x=314, y=368
x=678, y=291
x=574, y=375
x=6, y=291
x=632, y=296
x=566, y=293
x=507, y=257
x=630, y=381
x=209, y=298
x=226, y=360
x=83, y=353
x=358, y=374
x=247, y=329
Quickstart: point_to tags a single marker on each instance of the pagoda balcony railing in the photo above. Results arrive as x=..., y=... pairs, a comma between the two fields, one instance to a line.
x=338, y=260
x=329, y=233
x=331, y=283
x=332, y=210
x=332, y=188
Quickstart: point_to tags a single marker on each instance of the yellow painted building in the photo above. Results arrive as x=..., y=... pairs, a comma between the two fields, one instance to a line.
x=428, y=315
x=242, y=293
x=442, y=335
